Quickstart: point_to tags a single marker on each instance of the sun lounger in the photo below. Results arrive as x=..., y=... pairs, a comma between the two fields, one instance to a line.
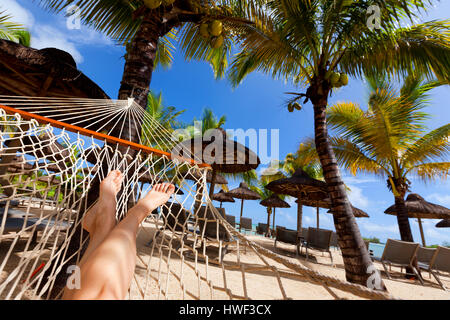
x=440, y=263
x=213, y=231
x=174, y=219
x=287, y=236
x=16, y=221
x=400, y=254
x=319, y=239
x=261, y=228
x=246, y=224
x=334, y=241
x=424, y=256
x=231, y=220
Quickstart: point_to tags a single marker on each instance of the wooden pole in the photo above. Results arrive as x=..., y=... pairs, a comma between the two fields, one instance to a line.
x=273, y=222
x=421, y=232
x=240, y=218
x=299, y=217
x=317, y=208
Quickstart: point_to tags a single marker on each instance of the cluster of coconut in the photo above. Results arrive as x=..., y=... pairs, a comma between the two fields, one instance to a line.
x=213, y=32
x=153, y=4
x=294, y=105
x=337, y=79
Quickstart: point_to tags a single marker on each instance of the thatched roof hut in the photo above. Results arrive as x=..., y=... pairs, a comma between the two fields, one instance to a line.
x=47, y=72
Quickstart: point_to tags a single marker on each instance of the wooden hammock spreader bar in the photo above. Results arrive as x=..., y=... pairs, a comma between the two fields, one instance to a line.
x=96, y=135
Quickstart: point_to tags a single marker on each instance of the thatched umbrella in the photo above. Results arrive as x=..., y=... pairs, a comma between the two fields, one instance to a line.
x=224, y=155
x=443, y=224
x=273, y=201
x=222, y=196
x=196, y=176
x=358, y=213
x=417, y=207
x=301, y=186
x=243, y=192
x=47, y=72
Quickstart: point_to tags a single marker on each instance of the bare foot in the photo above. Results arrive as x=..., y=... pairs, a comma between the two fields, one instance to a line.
x=102, y=214
x=159, y=195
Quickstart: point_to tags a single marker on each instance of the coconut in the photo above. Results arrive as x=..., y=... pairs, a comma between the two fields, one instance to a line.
x=334, y=78
x=152, y=4
x=343, y=79
x=290, y=107
x=168, y=2
x=215, y=28
x=204, y=30
x=297, y=106
x=216, y=42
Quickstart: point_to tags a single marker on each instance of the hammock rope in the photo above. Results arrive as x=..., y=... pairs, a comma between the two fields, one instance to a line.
x=186, y=250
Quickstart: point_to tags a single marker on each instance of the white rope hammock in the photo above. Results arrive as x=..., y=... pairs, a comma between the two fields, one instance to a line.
x=186, y=250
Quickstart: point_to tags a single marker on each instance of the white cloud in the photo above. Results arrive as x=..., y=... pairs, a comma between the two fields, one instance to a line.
x=442, y=199
x=45, y=36
x=57, y=34
x=17, y=12
x=357, y=198
x=374, y=227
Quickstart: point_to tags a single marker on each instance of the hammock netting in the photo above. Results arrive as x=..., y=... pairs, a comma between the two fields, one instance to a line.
x=186, y=249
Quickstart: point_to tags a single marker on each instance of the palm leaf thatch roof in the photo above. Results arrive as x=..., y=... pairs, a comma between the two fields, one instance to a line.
x=244, y=192
x=196, y=176
x=47, y=72
x=222, y=196
x=418, y=207
x=274, y=201
x=298, y=185
x=223, y=154
x=443, y=224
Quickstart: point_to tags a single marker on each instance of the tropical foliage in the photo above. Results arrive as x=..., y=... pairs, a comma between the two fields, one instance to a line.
x=13, y=31
x=389, y=138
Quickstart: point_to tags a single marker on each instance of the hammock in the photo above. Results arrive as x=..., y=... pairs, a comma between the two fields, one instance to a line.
x=54, y=152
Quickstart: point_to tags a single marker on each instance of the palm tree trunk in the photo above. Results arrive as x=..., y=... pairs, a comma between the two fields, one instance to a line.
x=139, y=64
x=403, y=219
x=354, y=252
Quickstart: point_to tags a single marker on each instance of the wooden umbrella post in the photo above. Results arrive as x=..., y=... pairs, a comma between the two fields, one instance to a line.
x=213, y=182
x=269, y=211
x=299, y=217
x=273, y=221
x=421, y=232
x=240, y=218
x=317, y=208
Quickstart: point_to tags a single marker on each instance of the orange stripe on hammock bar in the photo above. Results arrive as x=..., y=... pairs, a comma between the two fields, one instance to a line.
x=97, y=135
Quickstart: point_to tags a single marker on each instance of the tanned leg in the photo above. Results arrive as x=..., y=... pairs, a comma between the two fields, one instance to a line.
x=108, y=270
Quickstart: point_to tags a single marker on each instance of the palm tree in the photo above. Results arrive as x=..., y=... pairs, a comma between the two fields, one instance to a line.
x=148, y=34
x=389, y=139
x=307, y=42
x=13, y=31
x=159, y=121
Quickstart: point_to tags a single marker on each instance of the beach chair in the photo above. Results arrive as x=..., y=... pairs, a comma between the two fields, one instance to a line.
x=231, y=220
x=174, y=219
x=16, y=220
x=440, y=263
x=424, y=256
x=400, y=254
x=334, y=241
x=287, y=236
x=320, y=240
x=261, y=228
x=246, y=224
x=213, y=231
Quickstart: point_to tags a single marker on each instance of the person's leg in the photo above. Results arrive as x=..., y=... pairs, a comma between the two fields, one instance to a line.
x=108, y=271
x=101, y=218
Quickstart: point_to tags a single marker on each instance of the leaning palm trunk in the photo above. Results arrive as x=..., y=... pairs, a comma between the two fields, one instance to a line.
x=403, y=220
x=139, y=64
x=354, y=252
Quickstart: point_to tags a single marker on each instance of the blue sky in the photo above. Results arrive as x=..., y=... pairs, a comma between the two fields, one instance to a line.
x=256, y=104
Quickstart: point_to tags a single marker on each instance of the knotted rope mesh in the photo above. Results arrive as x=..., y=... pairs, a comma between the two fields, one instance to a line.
x=185, y=250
